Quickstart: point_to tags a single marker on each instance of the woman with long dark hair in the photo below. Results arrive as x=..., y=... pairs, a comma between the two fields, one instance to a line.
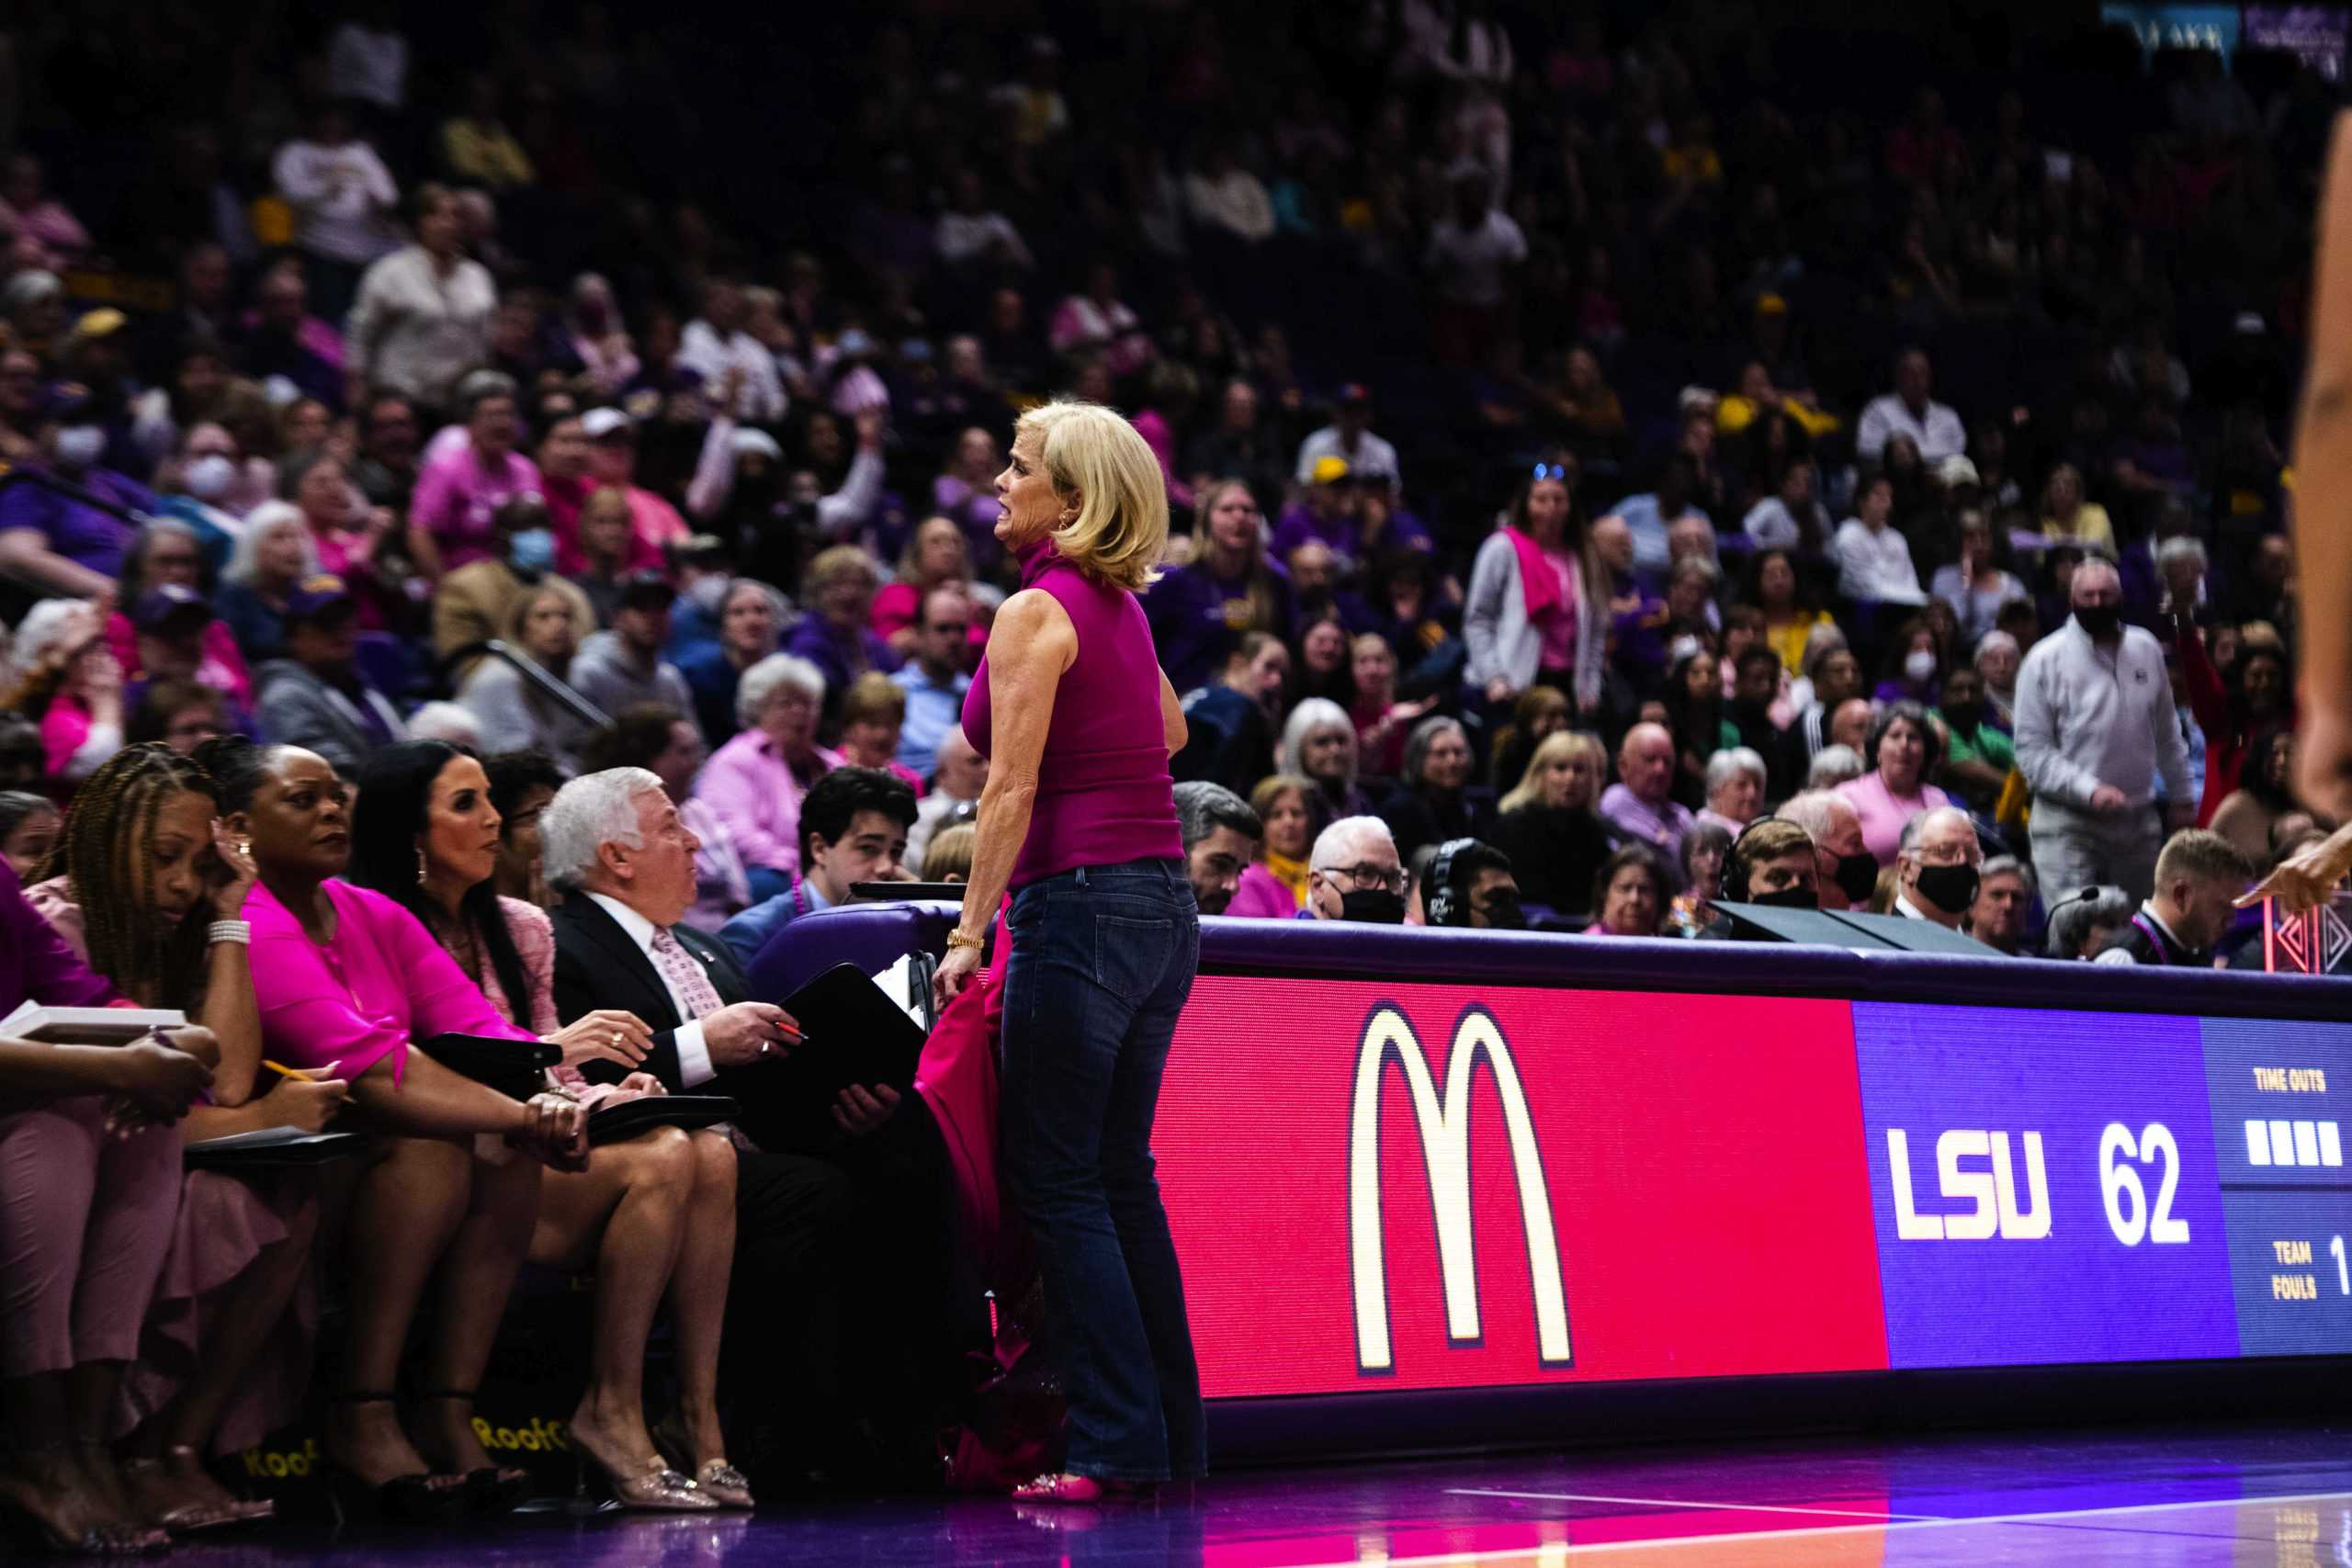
x=654, y=1216
x=145, y=888
x=349, y=986
x=1537, y=606
x=1694, y=715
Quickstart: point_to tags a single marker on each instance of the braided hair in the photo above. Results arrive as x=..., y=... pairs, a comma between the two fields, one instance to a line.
x=395, y=792
x=238, y=767
x=108, y=838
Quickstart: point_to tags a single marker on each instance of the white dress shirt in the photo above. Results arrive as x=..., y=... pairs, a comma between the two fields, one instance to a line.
x=1875, y=564
x=701, y=350
x=1938, y=434
x=693, y=1055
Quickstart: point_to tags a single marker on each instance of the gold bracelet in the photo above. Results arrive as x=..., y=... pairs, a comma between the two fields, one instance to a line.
x=956, y=939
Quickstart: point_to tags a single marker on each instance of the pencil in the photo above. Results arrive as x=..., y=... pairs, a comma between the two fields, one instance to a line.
x=308, y=1075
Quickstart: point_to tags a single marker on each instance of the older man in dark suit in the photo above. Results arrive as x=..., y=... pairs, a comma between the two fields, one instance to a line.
x=615, y=846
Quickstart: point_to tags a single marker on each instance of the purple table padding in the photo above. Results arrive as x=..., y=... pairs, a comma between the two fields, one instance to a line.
x=874, y=935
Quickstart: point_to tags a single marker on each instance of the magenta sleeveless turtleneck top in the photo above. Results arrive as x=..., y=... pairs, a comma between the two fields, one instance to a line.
x=1104, y=795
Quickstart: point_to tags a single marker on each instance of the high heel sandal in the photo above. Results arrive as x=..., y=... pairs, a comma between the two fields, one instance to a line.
x=656, y=1489
x=124, y=1540
x=1060, y=1486
x=493, y=1489
x=405, y=1499
x=727, y=1485
x=190, y=1518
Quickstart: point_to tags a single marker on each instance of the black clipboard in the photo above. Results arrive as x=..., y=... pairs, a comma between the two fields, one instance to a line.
x=513, y=1068
x=857, y=1034
x=271, y=1146
x=633, y=1118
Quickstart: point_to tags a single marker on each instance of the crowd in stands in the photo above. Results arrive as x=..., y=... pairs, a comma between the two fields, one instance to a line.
x=1627, y=461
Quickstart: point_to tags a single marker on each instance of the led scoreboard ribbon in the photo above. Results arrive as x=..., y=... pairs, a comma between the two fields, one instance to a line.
x=1425, y=1185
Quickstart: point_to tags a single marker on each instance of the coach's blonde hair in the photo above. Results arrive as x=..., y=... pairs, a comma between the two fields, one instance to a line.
x=1121, y=524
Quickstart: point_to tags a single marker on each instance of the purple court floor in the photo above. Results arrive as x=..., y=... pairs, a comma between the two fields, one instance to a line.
x=2147, y=1497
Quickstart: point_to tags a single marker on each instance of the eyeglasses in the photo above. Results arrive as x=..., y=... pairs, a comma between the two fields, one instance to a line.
x=1551, y=470
x=1366, y=874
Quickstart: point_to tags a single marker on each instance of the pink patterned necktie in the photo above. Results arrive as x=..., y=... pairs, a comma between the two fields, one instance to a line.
x=685, y=974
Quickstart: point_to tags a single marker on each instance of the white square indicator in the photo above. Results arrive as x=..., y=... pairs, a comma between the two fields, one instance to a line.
x=2306, y=1143
x=2282, y=1142
x=2331, y=1145
x=2257, y=1142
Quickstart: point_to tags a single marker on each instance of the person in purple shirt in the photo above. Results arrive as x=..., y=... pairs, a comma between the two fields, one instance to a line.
x=838, y=634
x=1641, y=805
x=1198, y=611
x=60, y=545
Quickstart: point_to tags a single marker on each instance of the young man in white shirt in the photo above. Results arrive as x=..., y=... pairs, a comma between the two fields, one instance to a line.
x=1932, y=427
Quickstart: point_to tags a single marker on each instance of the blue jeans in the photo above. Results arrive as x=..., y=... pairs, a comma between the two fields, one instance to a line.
x=1103, y=959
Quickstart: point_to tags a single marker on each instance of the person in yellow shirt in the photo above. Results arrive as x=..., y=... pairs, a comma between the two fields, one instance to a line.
x=476, y=145
x=1787, y=622
x=2066, y=515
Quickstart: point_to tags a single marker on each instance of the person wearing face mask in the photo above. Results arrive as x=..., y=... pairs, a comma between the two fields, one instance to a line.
x=2096, y=728
x=2198, y=878
x=1471, y=888
x=56, y=544
x=476, y=601
x=1354, y=874
x=1936, y=868
x=200, y=489
x=166, y=554
x=1777, y=866
x=1845, y=871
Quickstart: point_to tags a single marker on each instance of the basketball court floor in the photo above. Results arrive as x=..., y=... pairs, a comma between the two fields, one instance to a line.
x=2189, y=1497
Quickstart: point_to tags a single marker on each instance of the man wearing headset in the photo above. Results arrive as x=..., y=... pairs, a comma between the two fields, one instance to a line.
x=1471, y=888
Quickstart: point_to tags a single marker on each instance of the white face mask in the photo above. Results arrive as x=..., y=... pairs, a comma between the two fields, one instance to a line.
x=209, y=477
x=78, y=446
x=1920, y=666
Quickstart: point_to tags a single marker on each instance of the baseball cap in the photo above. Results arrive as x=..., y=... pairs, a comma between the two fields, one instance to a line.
x=1771, y=305
x=319, y=598
x=104, y=322
x=648, y=591
x=1329, y=470
x=748, y=440
x=1956, y=470
x=597, y=424
x=169, y=608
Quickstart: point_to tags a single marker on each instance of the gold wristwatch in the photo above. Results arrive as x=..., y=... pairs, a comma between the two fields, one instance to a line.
x=956, y=939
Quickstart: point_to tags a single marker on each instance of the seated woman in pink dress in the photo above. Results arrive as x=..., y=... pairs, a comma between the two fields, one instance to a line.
x=348, y=983
x=654, y=1216
x=141, y=889
x=89, y=1186
x=1274, y=886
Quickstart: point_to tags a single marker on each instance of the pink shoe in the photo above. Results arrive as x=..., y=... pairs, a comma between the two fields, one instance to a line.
x=1060, y=1486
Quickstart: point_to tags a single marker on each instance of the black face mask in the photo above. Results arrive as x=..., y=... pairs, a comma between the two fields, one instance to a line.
x=1798, y=898
x=1858, y=877
x=1373, y=907
x=1965, y=716
x=2100, y=620
x=1504, y=914
x=1950, y=888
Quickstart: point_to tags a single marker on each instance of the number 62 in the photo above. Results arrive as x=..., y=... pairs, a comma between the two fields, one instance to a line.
x=2129, y=1215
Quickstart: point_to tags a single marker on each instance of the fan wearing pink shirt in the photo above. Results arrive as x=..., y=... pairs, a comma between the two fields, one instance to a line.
x=452, y=512
x=1906, y=746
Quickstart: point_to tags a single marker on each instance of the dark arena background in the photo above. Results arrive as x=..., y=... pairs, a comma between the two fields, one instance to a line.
x=1921, y=406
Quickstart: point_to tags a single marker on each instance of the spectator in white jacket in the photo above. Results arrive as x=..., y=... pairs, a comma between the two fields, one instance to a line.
x=1874, y=561
x=2095, y=730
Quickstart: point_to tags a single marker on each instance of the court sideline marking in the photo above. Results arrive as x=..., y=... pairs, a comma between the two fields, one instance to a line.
x=1550, y=1551
x=1674, y=1503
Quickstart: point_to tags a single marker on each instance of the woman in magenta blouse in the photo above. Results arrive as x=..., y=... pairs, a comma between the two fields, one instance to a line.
x=347, y=982
x=1078, y=822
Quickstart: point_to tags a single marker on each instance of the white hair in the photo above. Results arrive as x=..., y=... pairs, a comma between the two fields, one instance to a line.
x=1345, y=840
x=1733, y=759
x=590, y=812
x=1310, y=717
x=1833, y=765
x=446, y=721
x=51, y=630
x=268, y=518
x=1816, y=810
x=2180, y=548
x=1992, y=640
x=761, y=681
